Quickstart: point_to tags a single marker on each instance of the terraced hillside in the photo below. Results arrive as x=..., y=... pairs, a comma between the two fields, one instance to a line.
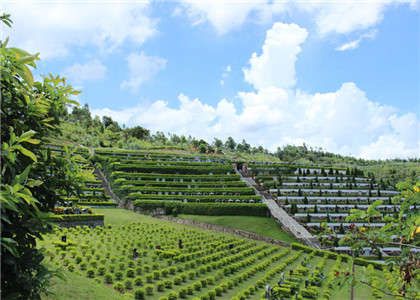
x=148, y=175
x=314, y=195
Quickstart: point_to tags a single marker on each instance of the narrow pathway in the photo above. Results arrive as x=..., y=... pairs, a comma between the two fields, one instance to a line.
x=287, y=223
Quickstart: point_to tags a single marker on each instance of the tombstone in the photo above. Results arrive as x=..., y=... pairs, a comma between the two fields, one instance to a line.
x=291, y=272
x=76, y=211
x=85, y=211
x=282, y=278
x=316, y=268
x=306, y=283
x=64, y=238
x=134, y=253
x=267, y=292
x=180, y=244
x=296, y=295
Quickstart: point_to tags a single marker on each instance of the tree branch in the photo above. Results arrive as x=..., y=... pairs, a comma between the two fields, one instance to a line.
x=382, y=291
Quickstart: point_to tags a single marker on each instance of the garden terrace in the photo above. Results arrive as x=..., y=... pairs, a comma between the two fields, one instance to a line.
x=209, y=265
x=174, y=177
x=181, y=184
x=197, y=198
x=317, y=195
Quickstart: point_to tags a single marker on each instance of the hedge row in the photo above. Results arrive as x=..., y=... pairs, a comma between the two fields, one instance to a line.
x=192, y=198
x=172, y=169
x=165, y=163
x=57, y=218
x=98, y=203
x=183, y=184
x=143, y=189
x=145, y=176
x=211, y=209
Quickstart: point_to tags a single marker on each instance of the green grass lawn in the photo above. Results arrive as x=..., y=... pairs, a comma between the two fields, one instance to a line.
x=262, y=226
x=118, y=216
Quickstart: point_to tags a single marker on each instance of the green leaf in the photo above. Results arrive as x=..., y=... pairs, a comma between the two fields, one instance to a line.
x=26, y=135
x=28, y=153
x=19, y=51
x=33, y=183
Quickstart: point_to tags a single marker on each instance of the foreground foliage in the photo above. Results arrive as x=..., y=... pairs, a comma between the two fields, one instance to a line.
x=32, y=180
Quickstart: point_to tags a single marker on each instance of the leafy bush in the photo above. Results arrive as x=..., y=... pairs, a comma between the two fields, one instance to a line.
x=139, y=294
x=118, y=275
x=129, y=272
x=172, y=296
x=101, y=270
x=149, y=289
x=108, y=278
x=138, y=280
x=119, y=286
x=90, y=272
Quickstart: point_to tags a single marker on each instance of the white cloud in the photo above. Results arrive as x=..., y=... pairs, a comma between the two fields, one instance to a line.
x=329, y=16
x=224, y=16
x=141, y=69
x=344, y=121
x=276, y=65
x=354, y=44
x=92, y=70
x=53, y=28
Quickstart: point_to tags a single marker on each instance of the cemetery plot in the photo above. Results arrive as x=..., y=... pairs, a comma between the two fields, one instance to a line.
x=315, y=195
x=152, y=175
x=152, y=260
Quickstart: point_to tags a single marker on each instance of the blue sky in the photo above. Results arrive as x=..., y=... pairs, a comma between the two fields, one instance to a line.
x=343, y=76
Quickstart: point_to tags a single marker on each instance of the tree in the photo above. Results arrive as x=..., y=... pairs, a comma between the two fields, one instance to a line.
x=218, y=143
x=402, y=230
x=32, y=180
x=139, y=132
x=230, y=144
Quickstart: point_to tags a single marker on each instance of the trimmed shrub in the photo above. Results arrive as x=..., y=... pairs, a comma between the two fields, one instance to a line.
x=160, y=286
x=172, y=296
x=128, y=284
x=108, y=278
x=119, y=286
x=149, y=289
x=138, y=280
x=139, y=294
x=118, y=275
x=129, y=272
x=101, y=270
x=90, y=272
x=177, y=280
x=182, y=293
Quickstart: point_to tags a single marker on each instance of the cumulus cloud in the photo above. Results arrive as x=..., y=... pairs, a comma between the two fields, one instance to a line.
x=141, y=69
x=53, y=28
x=344, y=121
x=276, y=65
x=92, y=70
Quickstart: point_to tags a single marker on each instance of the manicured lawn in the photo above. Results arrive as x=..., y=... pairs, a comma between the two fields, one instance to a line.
x=118, y=216
x=262, y=226
x=79, y=287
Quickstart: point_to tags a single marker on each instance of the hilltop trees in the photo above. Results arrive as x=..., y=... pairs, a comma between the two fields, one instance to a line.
x=32, y=180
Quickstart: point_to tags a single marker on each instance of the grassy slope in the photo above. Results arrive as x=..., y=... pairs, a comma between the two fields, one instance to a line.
x=262, y=226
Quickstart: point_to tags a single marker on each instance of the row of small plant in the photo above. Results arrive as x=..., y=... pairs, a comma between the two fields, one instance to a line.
x=172, y=169
x=211, y=209
x=234, y=191
x=139, y=161
x=153, y=176
x=178, y=184
x=194, y=198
